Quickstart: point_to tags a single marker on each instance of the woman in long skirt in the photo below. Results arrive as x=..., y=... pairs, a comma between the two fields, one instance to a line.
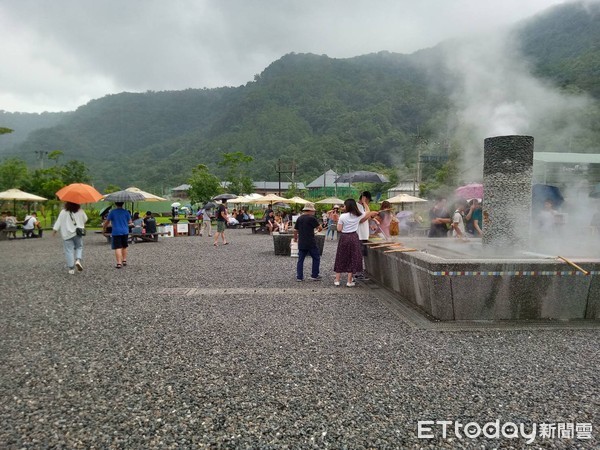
x=348, y=257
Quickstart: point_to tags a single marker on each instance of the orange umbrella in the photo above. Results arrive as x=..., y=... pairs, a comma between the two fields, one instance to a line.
x=79, y=193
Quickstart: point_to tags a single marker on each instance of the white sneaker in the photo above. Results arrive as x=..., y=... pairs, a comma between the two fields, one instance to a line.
x=336, y=283
x=351, y=284
x=71, y=271
x=78, y=265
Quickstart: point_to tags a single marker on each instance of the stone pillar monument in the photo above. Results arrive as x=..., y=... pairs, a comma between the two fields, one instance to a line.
x=507, y=178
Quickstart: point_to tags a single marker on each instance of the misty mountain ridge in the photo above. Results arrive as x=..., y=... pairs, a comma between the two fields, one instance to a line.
x=320, y=111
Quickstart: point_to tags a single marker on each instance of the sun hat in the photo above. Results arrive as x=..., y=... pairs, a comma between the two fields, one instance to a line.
x=309, y=207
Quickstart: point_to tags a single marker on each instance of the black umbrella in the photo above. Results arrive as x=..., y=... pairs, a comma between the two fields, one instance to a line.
x=209, y=205
x=545, y=192
x=124, y=196
x=225, y=197
x=595, y=192
x=362, y=176
x=105, y=211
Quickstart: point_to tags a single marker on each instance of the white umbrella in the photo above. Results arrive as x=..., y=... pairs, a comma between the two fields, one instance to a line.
x=331, y=201
x=17, y=194
x=255, y=195
x=404, y=198
x=297, y=201
x=240, y=199
x=270, y=198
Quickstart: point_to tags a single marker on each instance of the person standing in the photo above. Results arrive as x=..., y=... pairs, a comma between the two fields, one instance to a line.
x=546, y=219
x=120, y=220
x=363, y=228
x=439, y=218
x=332, y=219
x=304, y=235
x=474, y=219
x=71, y=217
x=458, y=222
x=206, y=225
x=222, y=219
x=348, y=257
x=385, y=218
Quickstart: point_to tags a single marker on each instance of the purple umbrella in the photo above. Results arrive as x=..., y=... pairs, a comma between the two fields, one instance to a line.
x=471, y=190
x=404, y=214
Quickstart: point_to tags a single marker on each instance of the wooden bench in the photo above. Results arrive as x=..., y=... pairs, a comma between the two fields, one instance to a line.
x=256, y=227
x=11, y=233
x=133, y=238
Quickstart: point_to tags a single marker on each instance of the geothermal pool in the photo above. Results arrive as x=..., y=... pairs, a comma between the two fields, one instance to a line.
x=451, y=280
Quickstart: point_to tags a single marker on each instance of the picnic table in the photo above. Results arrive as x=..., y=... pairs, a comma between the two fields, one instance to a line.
x=257, y=226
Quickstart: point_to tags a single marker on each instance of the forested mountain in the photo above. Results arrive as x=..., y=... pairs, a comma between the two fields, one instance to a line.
x=24, y=123
x=564, y=45
x=319, y=111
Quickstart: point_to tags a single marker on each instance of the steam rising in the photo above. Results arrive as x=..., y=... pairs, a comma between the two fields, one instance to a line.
x=495, y=94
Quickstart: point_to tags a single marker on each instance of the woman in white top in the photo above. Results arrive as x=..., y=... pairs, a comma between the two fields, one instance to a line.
x=70, y=218
x=348, y=257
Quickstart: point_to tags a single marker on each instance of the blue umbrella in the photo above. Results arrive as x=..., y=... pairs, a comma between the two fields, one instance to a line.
x=544, y=192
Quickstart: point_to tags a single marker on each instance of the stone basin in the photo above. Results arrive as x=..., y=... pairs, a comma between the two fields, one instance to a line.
x=282, y=241
x=451, y=280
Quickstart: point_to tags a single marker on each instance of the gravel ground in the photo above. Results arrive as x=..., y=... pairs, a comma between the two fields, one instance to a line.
x=192, y=346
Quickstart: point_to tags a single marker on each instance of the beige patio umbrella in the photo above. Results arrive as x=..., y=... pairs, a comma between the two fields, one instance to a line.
x=404, y=198
x=401, y=199
x=239, y=199
x=297, y=201
x=148, y=197
x=269, y=198
x=331, y=201
x=17, y=194
x=254, y=195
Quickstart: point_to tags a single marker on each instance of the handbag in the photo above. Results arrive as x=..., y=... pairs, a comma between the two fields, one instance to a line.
x=394, y=227
x=78, y=231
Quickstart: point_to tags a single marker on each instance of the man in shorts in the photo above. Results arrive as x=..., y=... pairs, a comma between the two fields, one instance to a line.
x=222, y=218
x=120, y=219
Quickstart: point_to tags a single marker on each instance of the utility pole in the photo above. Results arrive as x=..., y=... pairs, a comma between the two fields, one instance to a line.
x=285, y=168
x=41, y=154
x=420, y=142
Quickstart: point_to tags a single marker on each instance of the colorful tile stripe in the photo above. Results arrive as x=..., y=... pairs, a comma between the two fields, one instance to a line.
x=516, y=273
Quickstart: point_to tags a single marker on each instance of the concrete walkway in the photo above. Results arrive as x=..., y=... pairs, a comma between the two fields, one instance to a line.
x=192, y=346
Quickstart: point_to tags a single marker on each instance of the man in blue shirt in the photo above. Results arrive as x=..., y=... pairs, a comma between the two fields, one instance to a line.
x=120, y=219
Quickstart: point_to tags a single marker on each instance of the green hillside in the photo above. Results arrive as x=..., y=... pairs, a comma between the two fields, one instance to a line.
x=564, y=46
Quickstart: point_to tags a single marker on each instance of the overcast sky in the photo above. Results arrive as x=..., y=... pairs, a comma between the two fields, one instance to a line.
x=59, y=54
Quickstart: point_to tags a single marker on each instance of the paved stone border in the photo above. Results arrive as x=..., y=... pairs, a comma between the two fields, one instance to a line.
x=420, y=320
